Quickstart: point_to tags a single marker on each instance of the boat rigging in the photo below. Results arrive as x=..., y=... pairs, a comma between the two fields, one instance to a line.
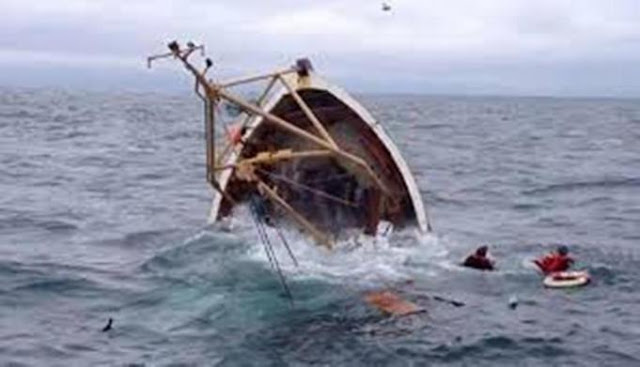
x=314, y=155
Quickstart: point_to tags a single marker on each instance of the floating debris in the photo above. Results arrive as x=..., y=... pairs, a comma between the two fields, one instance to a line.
x=392, y=304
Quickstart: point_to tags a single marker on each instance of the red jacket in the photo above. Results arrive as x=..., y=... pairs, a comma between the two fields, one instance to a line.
x=554, y=263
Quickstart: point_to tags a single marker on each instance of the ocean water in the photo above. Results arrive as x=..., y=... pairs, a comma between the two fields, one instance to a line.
x=103, y=214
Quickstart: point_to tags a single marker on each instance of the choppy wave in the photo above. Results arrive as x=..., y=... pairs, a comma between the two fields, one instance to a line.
x=632, y=182
x=103, y=211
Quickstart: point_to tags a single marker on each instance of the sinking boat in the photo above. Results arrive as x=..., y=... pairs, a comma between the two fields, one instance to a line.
x=304, y=152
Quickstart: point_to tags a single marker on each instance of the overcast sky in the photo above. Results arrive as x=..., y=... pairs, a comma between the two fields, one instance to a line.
x=530, y=47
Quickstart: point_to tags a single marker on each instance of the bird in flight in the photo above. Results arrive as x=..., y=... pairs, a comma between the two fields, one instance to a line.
x=386, y=7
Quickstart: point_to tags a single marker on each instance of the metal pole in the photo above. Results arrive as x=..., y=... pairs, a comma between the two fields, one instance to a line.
x=250, y=79
x=210, y=138
x=307, y=111
x=214, y=92
x=302, y=133
x=317, y=234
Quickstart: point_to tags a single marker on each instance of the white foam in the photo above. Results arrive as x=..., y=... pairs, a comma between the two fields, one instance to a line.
x=359, y=259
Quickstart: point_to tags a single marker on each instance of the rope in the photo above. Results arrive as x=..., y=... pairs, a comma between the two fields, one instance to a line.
x=286, y=245
x=273, y=259
x=331, y=178
x=308, y=188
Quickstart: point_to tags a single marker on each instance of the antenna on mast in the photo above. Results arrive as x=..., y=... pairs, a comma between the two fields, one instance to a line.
x=176, y=51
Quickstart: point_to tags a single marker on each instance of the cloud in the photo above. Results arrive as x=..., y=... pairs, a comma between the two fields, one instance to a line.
x=490, y=44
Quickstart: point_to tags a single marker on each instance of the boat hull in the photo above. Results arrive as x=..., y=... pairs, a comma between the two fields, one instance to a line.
x=354, y=130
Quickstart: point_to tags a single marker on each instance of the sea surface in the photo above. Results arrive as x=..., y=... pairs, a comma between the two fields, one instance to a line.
x=104, y=209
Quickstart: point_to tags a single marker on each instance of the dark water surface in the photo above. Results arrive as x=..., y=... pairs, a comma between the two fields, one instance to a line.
x=103, y=214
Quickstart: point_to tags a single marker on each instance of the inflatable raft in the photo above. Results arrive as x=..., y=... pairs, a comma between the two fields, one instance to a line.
x=567, y=279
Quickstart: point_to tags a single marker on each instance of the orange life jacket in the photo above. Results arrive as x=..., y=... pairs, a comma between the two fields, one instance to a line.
x=235, y=134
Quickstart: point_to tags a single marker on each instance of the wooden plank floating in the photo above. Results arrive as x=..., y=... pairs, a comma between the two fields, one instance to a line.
x=392, y=304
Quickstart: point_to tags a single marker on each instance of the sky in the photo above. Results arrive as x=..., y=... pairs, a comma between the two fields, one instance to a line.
x=499, y=47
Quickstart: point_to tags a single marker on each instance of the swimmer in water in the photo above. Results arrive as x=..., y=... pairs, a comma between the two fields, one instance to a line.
x=479, y=260
x=108, y=326
x=556, y=261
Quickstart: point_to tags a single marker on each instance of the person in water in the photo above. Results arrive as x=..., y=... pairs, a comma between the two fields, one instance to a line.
x=479, y=260
x=556, y=261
